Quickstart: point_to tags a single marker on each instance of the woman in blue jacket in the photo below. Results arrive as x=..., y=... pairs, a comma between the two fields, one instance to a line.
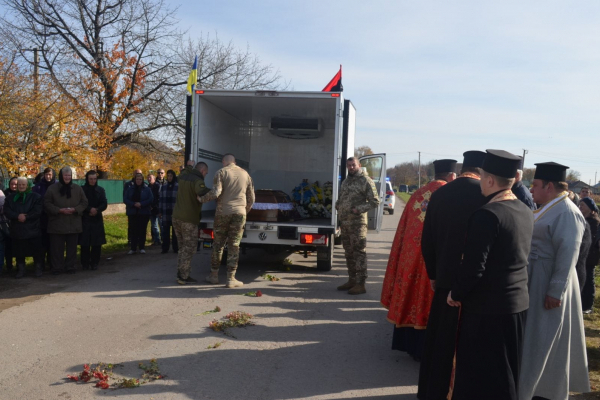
x=138, y=199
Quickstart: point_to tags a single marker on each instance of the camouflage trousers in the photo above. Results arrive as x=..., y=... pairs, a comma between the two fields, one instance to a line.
x=187, y=237
x=354, y=240
x=228, y=229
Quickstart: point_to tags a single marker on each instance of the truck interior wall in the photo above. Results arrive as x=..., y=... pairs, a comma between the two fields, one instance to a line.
x=282, y=164
x=223, y=133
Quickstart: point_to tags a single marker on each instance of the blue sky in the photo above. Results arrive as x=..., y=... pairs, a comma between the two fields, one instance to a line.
x=438, y=77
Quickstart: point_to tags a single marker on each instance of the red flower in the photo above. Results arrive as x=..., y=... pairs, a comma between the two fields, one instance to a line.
x=258, y=293
x=86, y=367
x=73, y=377
x=103, y=384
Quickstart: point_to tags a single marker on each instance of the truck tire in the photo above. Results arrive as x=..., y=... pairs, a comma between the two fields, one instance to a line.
x=325, y=256
x=391, y=211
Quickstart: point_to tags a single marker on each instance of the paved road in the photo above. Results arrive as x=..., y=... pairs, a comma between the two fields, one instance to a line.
x=310, y=341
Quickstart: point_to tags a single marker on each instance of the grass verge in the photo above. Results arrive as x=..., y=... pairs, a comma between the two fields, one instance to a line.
x=404, y=196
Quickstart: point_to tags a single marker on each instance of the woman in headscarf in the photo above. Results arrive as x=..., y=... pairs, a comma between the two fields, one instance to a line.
x=138, y=199
x=65, y=203
x=8, y=254
x=166, y=203
x=24, y=210
x=589, y=209
x=48, y=179
x=92, y=238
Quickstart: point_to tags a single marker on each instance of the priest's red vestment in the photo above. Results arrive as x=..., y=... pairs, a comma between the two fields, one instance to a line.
x=406, y=292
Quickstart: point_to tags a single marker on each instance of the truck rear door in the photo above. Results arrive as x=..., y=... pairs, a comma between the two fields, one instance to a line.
x=376, y=170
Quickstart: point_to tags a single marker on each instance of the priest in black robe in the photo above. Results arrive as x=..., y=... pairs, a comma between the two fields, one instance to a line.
x=442, y=243
x=491, y=288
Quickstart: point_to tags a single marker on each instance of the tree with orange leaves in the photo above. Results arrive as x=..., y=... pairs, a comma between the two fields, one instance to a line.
x=39, y=129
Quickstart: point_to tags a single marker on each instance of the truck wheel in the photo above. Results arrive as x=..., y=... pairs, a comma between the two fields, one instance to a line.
x=391, y=211
x=325, y=256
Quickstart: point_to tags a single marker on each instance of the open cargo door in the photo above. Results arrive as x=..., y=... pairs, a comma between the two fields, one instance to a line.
x=376, y=170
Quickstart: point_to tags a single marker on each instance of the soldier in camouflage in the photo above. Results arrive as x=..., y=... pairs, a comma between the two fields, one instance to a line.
x=357, y=196
x=186, y=217
x=234, y=191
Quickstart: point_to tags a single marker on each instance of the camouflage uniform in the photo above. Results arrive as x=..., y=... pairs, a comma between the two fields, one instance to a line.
x=234, y=191
x=187, y=236
x=228, y=229
x=357, y=191
x=186, y=217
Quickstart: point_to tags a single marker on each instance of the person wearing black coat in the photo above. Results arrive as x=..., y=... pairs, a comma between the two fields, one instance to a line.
x=138, y=201
x=585, y=271
x=93, y=237
x=442, y=245
x=8, y=253
x=48, y=179
x=24, y=210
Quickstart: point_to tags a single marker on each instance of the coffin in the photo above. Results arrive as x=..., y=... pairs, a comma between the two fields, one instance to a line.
x=272, y=206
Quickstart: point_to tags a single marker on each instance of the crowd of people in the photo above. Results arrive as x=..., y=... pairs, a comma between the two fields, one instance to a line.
x=487, y=281
x=47, y=219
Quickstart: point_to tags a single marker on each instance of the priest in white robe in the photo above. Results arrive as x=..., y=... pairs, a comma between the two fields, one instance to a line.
x=554, y=358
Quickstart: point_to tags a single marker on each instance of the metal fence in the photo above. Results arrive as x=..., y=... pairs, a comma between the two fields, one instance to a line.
x=113, y=188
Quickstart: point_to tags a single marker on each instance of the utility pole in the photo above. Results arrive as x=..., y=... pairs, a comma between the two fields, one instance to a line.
x=524, y=152
x=596, y=178
x=419, y=169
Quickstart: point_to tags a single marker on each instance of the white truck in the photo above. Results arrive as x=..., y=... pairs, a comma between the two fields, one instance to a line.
x=281, y=138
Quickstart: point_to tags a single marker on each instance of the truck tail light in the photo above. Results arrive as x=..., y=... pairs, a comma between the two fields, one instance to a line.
x=207, y=234
x=390, y=193
x=199, y=91
x=312, y=238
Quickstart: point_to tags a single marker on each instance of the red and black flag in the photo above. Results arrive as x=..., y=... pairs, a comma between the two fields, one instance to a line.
x=335, y=85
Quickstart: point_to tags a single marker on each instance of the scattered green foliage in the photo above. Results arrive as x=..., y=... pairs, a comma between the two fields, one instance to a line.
x=235, y=319
x=215, y=310
x=271, y=278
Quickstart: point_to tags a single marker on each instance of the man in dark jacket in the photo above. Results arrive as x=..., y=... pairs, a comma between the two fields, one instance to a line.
x=186, y=217
x=521, y=191
x=154, y=185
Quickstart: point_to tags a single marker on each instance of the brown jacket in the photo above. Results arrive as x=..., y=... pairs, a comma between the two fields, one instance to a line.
x=53, y=202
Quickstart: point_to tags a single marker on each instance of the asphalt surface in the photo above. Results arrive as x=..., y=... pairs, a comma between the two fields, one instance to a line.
x=310, y=341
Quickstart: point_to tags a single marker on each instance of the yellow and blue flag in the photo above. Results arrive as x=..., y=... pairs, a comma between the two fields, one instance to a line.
x=193, y=77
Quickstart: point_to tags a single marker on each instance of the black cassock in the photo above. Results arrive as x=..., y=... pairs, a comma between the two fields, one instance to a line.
x=492, y=286
x=443, y=239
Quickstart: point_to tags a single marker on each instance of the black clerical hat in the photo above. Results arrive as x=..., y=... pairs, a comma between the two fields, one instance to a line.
x=441, y=166
x=551, y=171
x=501, y=163
x=473, y=158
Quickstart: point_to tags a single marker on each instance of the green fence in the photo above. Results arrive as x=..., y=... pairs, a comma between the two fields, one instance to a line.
x=113, y=188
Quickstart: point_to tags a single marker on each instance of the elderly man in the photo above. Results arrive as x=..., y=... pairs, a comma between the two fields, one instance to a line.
x=186, y=217
x=554, y=360
x=234, y=191
x=520, y=190
x=357, y=196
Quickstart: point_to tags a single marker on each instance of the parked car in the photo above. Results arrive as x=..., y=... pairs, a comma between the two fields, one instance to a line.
x=390, y=198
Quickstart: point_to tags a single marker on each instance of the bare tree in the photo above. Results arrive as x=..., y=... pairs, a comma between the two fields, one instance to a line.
x=361, y=151
x=573, y=175
x=125, y=63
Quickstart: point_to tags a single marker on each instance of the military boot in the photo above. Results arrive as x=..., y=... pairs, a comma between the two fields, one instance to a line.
x=232, y=282
x=20, y=271
x=348, y=285
x=213, y=278
x=359, y=288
